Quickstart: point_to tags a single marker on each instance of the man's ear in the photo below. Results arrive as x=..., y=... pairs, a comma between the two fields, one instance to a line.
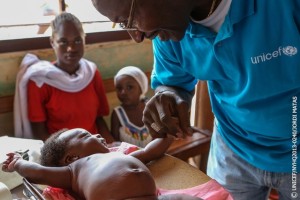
x=71, y=158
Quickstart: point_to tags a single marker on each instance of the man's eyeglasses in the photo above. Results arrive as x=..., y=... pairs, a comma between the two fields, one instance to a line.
x=128, y=24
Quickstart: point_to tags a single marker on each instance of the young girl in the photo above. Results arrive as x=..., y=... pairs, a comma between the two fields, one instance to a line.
x=66, y=93
x=126, y=120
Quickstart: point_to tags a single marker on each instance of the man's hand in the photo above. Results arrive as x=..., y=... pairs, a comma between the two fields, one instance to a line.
x=168, y=112
x=9, y=164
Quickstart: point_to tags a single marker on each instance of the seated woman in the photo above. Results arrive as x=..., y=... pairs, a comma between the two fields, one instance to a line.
x=66, y=93
x=89, y=171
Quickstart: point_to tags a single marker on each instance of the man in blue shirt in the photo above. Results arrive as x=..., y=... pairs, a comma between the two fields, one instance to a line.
x=248, y=51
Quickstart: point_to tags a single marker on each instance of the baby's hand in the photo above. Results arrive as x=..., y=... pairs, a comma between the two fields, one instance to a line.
x=9, y=164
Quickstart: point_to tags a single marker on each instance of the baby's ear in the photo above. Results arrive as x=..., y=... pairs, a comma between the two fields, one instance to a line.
x=71, y=158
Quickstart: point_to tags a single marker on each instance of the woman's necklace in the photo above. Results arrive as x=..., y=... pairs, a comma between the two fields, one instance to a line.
x=212, y=8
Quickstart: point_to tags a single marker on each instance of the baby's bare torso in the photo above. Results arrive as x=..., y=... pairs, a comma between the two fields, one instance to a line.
x=111, y=176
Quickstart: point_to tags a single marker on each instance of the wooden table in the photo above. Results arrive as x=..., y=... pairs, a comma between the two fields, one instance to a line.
x=172, y=173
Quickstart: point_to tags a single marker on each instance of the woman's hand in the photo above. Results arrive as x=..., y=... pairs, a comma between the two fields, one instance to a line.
x=168, y=112
x=9, y=164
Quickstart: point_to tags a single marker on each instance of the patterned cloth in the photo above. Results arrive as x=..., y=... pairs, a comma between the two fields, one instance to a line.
x=131, y=133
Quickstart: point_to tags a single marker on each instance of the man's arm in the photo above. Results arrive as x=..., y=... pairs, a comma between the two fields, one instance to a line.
x=154, y=150
x=36, y=173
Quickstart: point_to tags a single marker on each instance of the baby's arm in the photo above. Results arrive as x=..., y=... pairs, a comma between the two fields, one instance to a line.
x=154, y=150
x=36, y=173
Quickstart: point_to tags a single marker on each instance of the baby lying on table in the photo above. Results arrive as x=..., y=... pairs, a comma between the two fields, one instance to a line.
x=85, y=167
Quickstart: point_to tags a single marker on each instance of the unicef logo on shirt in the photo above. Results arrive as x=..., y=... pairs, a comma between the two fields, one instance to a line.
x=289, y=51
x=280, y=51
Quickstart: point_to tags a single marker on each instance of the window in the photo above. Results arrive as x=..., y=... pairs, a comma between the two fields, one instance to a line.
x=31, y=18
x=24, y=24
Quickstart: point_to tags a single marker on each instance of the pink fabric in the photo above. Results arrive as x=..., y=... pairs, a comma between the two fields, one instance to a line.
x=124, y=147
x=211, y=190
x=51, y=193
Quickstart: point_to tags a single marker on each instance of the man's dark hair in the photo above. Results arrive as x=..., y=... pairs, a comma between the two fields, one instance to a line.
x=53, y=150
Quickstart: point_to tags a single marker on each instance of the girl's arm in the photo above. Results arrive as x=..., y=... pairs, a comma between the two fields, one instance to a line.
x=103, y=130
x=36, y=173
x=154, y=150
x=115, y=125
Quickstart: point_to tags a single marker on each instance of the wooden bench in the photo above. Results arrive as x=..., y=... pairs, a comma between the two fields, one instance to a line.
x=183, y=149
x=198, y=144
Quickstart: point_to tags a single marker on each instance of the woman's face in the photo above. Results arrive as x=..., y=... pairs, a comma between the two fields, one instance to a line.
x=68, y=44
x=166, y=19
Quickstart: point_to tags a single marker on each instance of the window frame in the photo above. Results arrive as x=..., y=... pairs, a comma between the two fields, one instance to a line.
x=34, y=43
x=25, y=44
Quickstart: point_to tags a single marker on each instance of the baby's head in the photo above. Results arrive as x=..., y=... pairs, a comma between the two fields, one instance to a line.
x=66, y=146
x=126, y=75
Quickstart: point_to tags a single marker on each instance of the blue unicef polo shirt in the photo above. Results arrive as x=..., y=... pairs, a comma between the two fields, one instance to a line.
x=253, y=71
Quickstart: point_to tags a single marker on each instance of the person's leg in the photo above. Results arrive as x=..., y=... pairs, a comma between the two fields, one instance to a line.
x=241, y=180
x=288, y=186
x=245, y=181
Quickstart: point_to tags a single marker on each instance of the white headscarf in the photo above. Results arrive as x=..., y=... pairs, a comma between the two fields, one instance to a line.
x=137, y=74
